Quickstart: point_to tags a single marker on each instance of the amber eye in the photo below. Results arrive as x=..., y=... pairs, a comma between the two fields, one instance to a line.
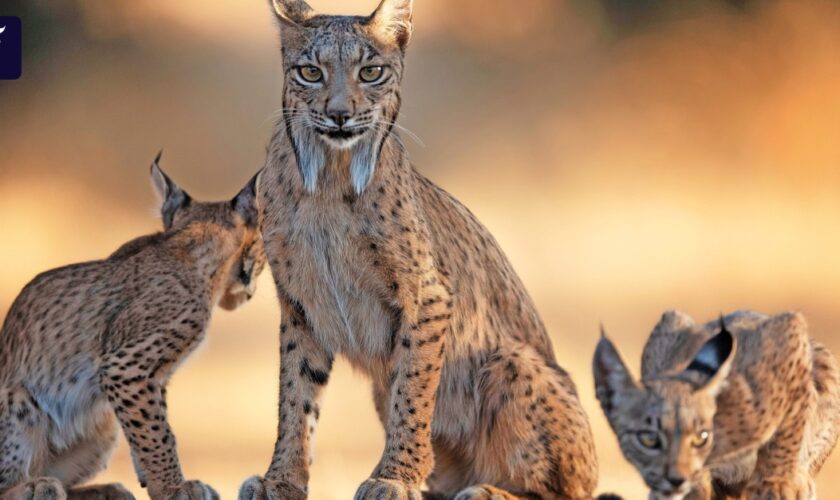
x=700, y=439
x=310, y=74
x=370, y=74
x=649, y=439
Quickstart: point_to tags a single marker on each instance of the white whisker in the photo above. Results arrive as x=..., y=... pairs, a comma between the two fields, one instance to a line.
x=408, y=132
x=279, y=113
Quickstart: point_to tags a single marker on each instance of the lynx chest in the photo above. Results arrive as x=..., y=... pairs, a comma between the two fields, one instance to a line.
x=324, y=258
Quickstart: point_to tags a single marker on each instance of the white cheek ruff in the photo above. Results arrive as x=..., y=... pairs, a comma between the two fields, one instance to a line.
x=310, y=156
x=363, y=164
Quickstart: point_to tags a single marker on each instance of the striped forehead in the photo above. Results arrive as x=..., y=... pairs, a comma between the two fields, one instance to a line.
x=333, y=48
x=678, y=413
x=338, y=40
x=654, y=413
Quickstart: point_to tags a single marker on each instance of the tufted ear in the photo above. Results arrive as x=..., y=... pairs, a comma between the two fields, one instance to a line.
x=712, y=363
x=612, y=378
x=170, y=196
x=245, y=202
x=392, y=21
x=292, y=11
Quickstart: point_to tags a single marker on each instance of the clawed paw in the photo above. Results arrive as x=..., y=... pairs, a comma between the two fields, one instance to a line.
x=43, y=488
x=387, y=489
x=189, y=490
x=257, y=488
x=780, y=490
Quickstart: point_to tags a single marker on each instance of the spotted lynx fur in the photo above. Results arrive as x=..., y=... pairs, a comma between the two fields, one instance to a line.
x=374, y=262
x=90, y=347
x=745, y=407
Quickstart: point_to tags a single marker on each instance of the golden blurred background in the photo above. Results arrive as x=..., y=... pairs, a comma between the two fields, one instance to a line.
x=630, y=157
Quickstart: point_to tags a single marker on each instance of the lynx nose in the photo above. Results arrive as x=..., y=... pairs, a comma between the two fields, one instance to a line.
x=676, y=481
x=339, y=117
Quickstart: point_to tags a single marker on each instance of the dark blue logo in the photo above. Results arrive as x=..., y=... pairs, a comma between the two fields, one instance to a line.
x=11, y=52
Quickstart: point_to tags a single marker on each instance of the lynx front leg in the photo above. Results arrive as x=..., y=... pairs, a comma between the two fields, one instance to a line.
x=779, y=475
x=415, y=373
x=139, y=401
x=304, y=370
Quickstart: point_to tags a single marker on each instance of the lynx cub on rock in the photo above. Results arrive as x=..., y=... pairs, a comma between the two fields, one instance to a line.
x=90, y=347
x=376, y=263
x=745, y=407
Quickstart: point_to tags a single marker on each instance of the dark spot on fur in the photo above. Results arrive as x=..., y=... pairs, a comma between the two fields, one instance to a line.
x=316, y=376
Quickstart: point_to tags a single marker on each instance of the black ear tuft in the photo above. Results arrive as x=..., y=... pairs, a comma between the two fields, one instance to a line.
x=245, y=203
x=714, y=353
x=172, y=198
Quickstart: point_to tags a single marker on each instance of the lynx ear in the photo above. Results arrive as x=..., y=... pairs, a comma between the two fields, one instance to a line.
x=612, y=378
x=392, y=21
x=712, y=363
x=170, y=196
x=673, y=321
x=245, y=203
x=292, y=11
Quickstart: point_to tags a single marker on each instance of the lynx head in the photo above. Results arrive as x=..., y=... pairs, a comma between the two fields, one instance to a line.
x=233, y=222
x=342, y=83
x=665, y=424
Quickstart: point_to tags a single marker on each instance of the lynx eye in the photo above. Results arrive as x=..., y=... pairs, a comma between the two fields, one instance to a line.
x=370, y=74
x=310, y=74
x=700, y=439
x=649, y=439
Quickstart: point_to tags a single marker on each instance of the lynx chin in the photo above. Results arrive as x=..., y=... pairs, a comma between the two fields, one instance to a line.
x=375, y=263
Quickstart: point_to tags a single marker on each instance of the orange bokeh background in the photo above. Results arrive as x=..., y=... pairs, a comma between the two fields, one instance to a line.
x=628, y=160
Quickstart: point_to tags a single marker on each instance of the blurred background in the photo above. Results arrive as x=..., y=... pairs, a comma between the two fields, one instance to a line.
x=630, y=157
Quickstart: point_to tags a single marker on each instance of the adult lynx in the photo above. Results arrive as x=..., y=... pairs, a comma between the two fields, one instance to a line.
x=374, y=262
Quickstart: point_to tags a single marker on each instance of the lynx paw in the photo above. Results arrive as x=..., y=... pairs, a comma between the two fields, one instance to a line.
x=43, y=488
x=257, y=488
x=484, y=492
x=113, y=491
x=190, y=490
x=780, y=490
x=386, y=489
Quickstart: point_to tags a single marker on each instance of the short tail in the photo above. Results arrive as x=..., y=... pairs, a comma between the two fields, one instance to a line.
x=608, y=496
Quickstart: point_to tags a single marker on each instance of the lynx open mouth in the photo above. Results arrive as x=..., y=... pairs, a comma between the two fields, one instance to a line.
x=340, y=134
